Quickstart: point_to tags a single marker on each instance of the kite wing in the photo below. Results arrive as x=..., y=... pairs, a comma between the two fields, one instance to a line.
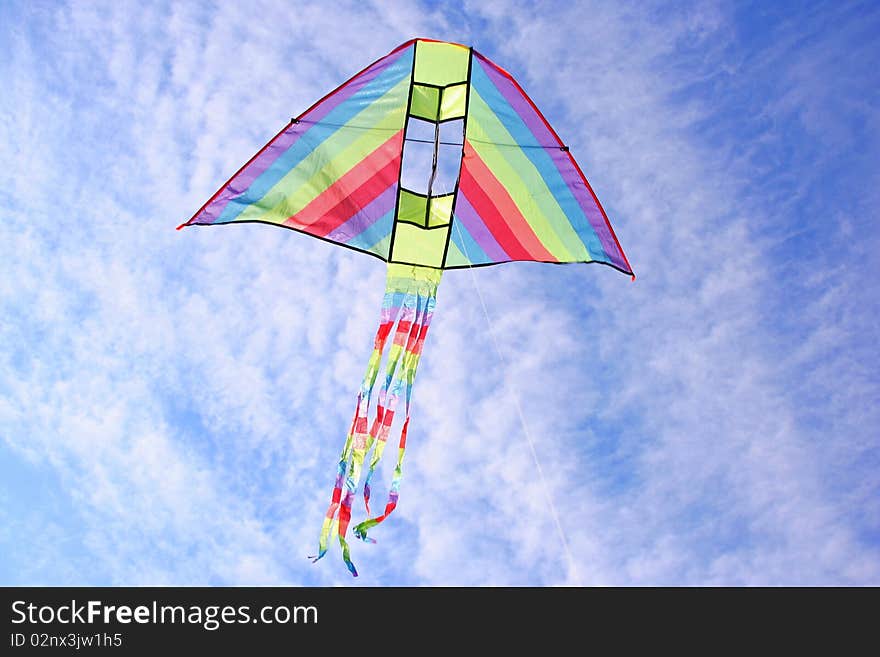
x=431, y=156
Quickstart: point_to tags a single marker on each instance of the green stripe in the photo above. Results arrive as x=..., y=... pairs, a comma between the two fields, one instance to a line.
x=523, y=182
x=382, y=246
x=454, y=256
x=332, y=158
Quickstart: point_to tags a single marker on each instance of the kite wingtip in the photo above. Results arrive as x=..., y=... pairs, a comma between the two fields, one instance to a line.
x=633, y=279
x=185, y=223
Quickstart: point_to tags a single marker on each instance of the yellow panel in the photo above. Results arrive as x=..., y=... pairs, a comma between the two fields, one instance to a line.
x=419, y=246
x=441, y=63
x=441, y=210
x=425, y=102
x=412, y=208
x=452, y=105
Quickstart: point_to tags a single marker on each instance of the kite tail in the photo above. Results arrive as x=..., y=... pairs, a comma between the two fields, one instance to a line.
x=398, y=379
x=407, y=308
x=408, y=377
x=390, y=312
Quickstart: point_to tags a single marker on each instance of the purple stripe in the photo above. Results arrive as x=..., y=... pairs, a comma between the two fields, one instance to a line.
x=407, y=314
x=471, y=220
x=362, y=219
x=588, y=206
x=561, y=159
x=244, y=178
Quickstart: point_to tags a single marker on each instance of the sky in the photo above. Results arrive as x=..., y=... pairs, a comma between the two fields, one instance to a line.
x=172, y=404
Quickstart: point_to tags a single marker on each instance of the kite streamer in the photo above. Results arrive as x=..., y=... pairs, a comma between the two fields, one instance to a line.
x=410, y=296
x=431, y=158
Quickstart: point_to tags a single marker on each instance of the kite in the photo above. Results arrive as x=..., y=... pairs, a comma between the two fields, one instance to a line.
x=431, y=158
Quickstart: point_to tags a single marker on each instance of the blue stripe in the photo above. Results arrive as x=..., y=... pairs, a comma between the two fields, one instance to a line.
x=374, y=233
x=469, y=248
x=393, y=299
x=551, y=175
x=315, y=134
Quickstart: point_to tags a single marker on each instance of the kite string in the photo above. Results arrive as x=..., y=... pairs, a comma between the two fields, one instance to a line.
x=522, y=417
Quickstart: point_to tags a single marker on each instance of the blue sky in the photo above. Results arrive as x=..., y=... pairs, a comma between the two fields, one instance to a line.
x=172, y=403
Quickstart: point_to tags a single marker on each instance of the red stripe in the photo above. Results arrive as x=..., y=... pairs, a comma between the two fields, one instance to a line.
x=380, y=415
x=382, y=335
x=352, y=192
x=403, y=327
x=415, y=333
x=499, y=211
x=345, y=514
x=403, y=431
x=567, y=152
x=347, y=206
x=421, y=340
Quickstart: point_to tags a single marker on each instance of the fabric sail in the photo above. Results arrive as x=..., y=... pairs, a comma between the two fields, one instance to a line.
x=431, y=158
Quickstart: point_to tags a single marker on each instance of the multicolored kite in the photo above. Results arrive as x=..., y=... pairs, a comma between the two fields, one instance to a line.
x=431, y=158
